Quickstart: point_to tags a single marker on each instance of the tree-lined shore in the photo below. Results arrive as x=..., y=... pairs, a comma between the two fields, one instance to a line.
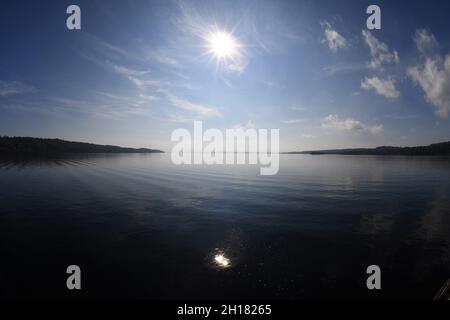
x=442, y=148
x=39, y=146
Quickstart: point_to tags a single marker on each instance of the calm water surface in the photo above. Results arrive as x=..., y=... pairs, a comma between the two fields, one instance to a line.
x=140, y=227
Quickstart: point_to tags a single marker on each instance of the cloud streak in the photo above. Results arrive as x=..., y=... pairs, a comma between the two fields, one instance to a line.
x=199, y=109
x=335, y=122
x=294, y=121
x=385, y=88
x=12, y=88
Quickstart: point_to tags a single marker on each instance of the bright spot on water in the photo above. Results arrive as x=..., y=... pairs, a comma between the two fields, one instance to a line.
x=221, y=260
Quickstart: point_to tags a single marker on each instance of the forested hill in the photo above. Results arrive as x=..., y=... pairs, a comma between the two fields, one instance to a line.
x=38, y=146
x=433, y=149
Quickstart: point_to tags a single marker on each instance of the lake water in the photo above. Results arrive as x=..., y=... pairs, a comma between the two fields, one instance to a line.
x=140, y=227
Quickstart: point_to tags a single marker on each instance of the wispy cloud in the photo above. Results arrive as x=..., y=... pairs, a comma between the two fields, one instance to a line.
x=117, y=59
x=127, y=72
x=140, y=78
x=335, y=122
x=179, y=118
x=272, y=84
x=105, y=105
x=433, y=76
x=333, y=39
x=162, y=56
x=98, y=50
x=199, y=109
x=297, y=37
x=384, y=87
x=381, y=55
x=380, y=52
x=153, y=72
x=426, y=42
x=245, y=126
x=238, y=66
x=295, y=121
x=298, y=108
x=11, y=88
x=343, y=68
x=397, y=116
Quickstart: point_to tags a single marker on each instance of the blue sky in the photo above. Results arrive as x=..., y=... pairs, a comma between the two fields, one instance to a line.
x=137, y=70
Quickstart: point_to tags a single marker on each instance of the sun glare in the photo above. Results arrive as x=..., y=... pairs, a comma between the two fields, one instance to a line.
x=222, y=45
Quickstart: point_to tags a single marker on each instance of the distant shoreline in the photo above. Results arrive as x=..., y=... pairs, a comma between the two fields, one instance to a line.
x=437, y=149
x=39, y=146
x=29, y=146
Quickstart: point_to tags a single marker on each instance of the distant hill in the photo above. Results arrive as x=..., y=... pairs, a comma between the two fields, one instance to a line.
x=36, y=146
x=431, y=150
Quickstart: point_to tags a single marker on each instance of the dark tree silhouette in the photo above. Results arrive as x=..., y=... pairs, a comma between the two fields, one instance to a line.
x=37, y=146
x=431, y=150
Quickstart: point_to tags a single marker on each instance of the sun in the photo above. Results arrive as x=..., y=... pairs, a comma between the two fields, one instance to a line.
x=222, y=45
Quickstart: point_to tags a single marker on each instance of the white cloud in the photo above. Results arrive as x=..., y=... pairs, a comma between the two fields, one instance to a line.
x=295, y=121
x=127, y=72
x=380, y=52
x=145, y=83
x=148, y=98
x=382, y=87
x=333, y=38
x=246, y=126
x=433, y=75
x=425, y=41
x=333, y=121
x=201, y=110
x=434, y=79
x=11, y=88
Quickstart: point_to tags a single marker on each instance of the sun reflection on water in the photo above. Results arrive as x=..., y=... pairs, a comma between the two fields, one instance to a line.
x=221, y=260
